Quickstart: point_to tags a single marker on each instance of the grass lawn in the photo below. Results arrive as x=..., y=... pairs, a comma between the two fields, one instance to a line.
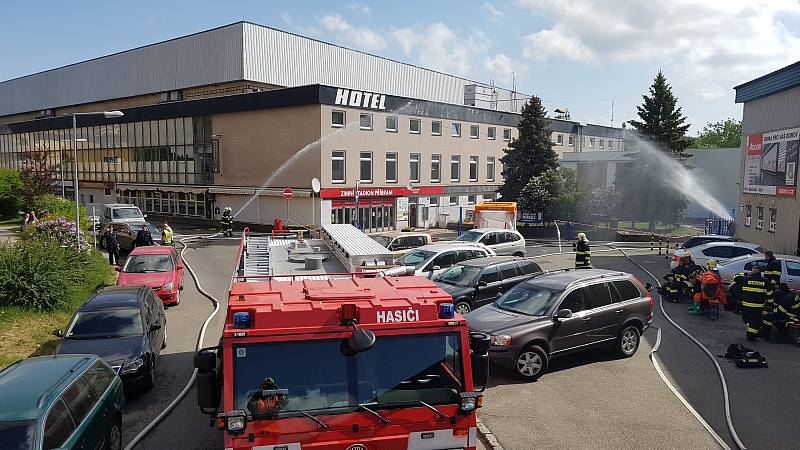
x=25, y=333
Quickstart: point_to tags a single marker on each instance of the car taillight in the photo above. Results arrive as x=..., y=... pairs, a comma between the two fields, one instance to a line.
x=676, y=258
x=650, y=297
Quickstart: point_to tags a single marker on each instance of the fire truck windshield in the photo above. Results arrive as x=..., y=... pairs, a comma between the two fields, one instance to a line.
x=280, y=379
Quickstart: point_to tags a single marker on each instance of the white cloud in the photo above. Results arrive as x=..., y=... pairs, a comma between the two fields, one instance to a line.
x=712, y=44
x=360, y=7
x=446, y=51
x=406, y=38
x=494, y=13
x=358, y=37
x=501, y=67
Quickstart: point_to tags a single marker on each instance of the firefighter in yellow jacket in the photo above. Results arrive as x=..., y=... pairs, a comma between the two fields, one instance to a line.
x=583, y=253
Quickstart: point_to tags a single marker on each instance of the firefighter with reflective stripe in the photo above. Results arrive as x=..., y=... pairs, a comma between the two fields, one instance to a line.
x=583, y=253
x=772, y=272
x=685, y=270
x=788, y=309
x=755, y=292
x=671, y=289
x=227, y=221
x=735, y=293
x=709, y=292
x=166, y=235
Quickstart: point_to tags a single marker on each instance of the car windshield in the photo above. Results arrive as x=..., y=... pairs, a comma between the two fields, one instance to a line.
x=127, y=213
x=459, y=276
x=277, y=379
x=528, y=299
x=415, y=258
x=111, y=323
x=154, y=231
x=148, y=263
x=383, y=240
x=470, y=236
x=19, y=434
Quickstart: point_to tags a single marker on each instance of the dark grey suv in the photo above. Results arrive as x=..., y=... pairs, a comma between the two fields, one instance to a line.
x=557, y=313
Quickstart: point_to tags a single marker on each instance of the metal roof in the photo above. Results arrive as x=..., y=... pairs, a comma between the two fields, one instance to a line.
x=780, y=80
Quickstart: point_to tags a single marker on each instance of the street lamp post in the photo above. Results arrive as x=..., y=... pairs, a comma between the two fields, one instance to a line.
x=108, y=115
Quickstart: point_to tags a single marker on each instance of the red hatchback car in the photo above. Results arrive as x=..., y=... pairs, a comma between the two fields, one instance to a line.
x=159, y=267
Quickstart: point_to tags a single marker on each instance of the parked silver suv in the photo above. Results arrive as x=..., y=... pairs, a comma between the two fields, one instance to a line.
x=557, y=313
x=503, y=242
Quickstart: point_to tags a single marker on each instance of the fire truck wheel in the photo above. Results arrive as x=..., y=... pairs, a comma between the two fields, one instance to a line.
x=531, y=363
x=463, y=308
x=628, y=341
x=114, y=437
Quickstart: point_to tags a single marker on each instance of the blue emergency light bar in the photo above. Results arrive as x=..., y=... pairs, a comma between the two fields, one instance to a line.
x=447, y=311
x=241, y=319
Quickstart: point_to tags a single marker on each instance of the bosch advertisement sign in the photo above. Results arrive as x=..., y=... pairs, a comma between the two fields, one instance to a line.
x=771, y=164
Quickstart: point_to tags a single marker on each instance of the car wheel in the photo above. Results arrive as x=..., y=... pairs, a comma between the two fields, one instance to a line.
x=104, y=243
x=114, y=437
x=531, y=363
x=519, y=254
x=164, y=344
x=463, y=308
x=628, y=341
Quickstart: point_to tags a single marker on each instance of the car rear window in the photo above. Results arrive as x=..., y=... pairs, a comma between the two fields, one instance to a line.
x=627, y=290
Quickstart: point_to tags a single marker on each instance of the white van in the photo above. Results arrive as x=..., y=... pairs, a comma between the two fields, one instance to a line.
x=120, y=212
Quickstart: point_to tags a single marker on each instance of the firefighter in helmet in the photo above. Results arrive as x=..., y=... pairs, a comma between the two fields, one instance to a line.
x=227, y=221
x=772, y=272
x=583, y=253
x=267, y=401
x=755, y=292
x=787, y=312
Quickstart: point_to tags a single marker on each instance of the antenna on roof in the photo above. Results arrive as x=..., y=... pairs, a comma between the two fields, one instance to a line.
x=612, y=113
x=513, y=92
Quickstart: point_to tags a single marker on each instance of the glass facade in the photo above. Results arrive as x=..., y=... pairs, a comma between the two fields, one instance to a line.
x=172, y=151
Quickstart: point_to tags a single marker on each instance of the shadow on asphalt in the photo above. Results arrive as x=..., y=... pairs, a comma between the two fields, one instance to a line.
x=500, y=376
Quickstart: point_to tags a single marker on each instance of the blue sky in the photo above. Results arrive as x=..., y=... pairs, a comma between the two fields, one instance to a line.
x=578, y=54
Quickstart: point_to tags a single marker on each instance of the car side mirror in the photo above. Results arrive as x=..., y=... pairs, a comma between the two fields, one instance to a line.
x=436, y=268
x=58, y=333
x=118, y=268
x=479, y=344
x=155, y=326
x=564, y=314
x=482, y=284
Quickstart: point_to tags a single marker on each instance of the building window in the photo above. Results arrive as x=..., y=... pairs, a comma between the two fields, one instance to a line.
x=415, y=126
x=436, y=128
x=414, y=167
x=560, y=139
x=490, y=168
x=107, y=192
x=491, y=133
x=506, y=134
x=436, y=168
x=474, y=131
x=748, y=216
x=760, y=218
x=601, y=143
x=337, y=119
x=455, y=168
x=773, y=218
x=365, y=167
x=391, y=124
x=453, y=201
x=391, y=167
x=591, y=142
x=365, y=121
x=337, y=166
x=455, y=130
x=471, y=199
x=433, y=201
x=571, y=141
x=473, y=168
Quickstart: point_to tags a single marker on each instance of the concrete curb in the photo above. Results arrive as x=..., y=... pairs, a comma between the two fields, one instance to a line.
x=486, y=436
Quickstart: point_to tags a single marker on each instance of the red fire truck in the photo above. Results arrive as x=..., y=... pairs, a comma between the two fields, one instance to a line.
x=357, y=362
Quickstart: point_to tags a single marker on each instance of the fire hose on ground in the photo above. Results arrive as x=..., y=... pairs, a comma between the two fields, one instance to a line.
x=168, y=409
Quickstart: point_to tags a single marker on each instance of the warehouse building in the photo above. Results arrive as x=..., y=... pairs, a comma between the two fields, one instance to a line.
x=769, y=213
x=232, y=116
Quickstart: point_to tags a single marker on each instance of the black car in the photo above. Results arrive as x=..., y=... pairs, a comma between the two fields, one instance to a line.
x=476, y=282
x=124, y=325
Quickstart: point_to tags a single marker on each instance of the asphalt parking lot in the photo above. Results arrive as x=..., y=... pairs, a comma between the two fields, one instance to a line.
x=590, y=400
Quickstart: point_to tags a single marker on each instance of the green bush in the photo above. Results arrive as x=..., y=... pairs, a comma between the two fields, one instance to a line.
x=41, y=275
x=10, y=198
x=52, y=207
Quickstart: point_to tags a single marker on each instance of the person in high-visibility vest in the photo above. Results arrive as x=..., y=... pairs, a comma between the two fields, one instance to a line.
x=583, y=253
x=166, y=235
x=755, y=292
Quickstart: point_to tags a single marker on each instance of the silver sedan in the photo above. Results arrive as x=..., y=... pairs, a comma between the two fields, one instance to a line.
x=790, y=269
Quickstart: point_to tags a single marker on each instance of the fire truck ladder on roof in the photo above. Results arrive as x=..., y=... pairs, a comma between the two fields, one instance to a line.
x=254, y=259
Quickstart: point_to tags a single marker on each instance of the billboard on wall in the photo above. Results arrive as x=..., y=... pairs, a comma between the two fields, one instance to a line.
x=771, y=163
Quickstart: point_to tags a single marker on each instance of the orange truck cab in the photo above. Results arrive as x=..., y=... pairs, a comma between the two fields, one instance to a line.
x=344, y=362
